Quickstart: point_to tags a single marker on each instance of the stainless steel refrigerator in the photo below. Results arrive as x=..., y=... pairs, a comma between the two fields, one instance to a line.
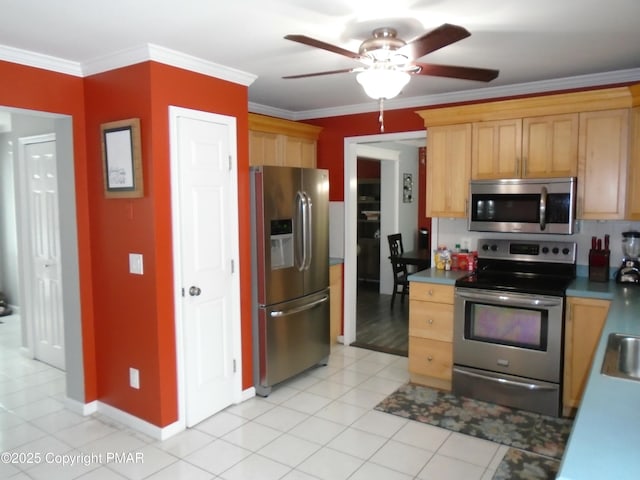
x=290, y=272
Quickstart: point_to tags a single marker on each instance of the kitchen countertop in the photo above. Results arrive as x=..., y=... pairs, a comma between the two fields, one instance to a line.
x=432, y=275
x=605, y=439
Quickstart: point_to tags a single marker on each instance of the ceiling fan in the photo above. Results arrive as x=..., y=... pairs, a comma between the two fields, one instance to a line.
x=389, y=62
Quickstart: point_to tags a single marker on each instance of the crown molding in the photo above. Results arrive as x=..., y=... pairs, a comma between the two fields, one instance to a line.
x=38, y=60
x=273, y=111
x=123, y=58
x=166, y=56
x=545, y=86
x=177, y=59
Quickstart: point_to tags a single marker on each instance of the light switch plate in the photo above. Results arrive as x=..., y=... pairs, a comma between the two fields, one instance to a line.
x=136, y=264
x=134, y=378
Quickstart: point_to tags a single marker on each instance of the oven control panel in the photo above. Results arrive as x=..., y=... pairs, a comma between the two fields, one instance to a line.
x=527, y=250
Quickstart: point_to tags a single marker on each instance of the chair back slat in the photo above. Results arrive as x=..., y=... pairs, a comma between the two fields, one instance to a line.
x=400, y=274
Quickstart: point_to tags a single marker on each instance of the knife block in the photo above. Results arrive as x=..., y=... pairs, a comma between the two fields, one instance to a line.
x=599, y=265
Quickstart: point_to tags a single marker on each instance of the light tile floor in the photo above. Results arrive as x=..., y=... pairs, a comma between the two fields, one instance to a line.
x=320, y=425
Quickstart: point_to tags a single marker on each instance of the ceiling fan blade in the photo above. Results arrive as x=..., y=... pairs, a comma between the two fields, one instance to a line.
x=451, y=71
x=317, y=74
x=444, y=35
x=312, y=42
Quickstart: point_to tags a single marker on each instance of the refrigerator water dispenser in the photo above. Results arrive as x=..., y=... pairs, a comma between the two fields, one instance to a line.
x=281, y=244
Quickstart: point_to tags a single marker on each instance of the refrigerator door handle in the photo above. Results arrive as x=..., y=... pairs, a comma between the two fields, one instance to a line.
x=300, y=233
x=308, y=234
x=302, y=308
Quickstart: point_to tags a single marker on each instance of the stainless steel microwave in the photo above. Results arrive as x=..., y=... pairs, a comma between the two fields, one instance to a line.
x=523, y=205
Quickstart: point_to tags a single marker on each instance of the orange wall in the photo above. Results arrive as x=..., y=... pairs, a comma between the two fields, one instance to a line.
x=134, y=319
x=336, y=129
x=42, y=90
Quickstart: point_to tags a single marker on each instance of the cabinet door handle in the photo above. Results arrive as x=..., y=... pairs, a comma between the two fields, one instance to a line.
x=430, y=321
x=429, y=359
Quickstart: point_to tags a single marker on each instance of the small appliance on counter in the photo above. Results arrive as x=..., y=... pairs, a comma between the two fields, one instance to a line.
x=629, y=271
x=599, y=260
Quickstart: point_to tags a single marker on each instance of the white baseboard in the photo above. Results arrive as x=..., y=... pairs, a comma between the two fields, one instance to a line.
x=131, y=421
x=80, y=408
x=135, y=423
x=247, y=394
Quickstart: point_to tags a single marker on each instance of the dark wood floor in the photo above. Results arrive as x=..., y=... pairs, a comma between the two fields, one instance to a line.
x=378, y=327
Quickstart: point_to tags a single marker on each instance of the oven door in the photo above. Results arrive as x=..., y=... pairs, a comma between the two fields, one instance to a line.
x=512, y=333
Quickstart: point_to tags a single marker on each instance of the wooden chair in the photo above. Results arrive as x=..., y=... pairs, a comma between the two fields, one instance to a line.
x=400, y=274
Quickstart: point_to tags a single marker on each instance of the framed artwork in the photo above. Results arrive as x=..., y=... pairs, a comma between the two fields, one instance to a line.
x=407, y=188
x=122, y=159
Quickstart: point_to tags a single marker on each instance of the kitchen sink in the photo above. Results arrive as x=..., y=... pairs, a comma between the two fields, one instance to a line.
x=622, y=357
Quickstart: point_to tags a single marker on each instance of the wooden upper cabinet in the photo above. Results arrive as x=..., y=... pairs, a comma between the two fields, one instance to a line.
x=602, y=164
x=497, y=149
x=531, y=147
x=633, y=181
x=593, y=134
x=301, y=152
x=274, y=141
x=448, y=170
x=265, y=148
x=550, y=146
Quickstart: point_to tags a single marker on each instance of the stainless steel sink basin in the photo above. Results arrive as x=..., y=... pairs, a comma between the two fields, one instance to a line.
x=622, y=357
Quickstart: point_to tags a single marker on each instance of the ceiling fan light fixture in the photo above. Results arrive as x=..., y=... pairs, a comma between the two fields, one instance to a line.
x=383, y=83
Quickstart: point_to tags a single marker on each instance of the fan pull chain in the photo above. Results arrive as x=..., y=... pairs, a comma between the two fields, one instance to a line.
x=381, y=116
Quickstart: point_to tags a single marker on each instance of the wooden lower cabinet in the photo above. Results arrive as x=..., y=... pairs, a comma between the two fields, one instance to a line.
x=431, y=334
x=430, y=362
x=335, y=302
x=584, y=320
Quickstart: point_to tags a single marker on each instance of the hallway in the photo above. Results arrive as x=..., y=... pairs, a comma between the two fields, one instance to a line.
x=378, y=327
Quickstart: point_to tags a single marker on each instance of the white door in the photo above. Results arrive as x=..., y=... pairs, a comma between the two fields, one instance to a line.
x=44, y=310
x=207, y=178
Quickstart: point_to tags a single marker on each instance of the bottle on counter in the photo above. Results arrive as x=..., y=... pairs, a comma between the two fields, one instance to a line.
x=473, y=261
x=441, y=256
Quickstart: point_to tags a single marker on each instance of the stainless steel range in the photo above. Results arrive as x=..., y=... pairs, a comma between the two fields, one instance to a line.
x=508, y=324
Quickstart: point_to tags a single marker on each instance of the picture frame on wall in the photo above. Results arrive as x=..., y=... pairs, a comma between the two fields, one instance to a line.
x=122, y=159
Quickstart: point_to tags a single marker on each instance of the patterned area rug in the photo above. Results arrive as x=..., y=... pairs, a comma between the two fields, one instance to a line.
x=537, y=441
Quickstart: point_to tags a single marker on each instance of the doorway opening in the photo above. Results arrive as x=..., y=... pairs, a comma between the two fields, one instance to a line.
x=17, y=124
x=391, y=150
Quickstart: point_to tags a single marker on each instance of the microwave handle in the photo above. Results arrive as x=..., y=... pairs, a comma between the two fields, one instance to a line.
x=543, y=208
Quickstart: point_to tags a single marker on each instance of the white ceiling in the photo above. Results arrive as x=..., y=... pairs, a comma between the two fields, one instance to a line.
x=581, y=42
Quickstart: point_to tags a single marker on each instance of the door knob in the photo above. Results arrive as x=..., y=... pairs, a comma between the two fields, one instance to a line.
x=194, y=291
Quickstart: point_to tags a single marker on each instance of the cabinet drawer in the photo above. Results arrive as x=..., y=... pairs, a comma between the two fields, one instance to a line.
x=431, y=292
x=431, y=358
x=431, y=320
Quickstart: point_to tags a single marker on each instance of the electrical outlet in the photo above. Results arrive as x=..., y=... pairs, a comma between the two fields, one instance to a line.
x=134, y=378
